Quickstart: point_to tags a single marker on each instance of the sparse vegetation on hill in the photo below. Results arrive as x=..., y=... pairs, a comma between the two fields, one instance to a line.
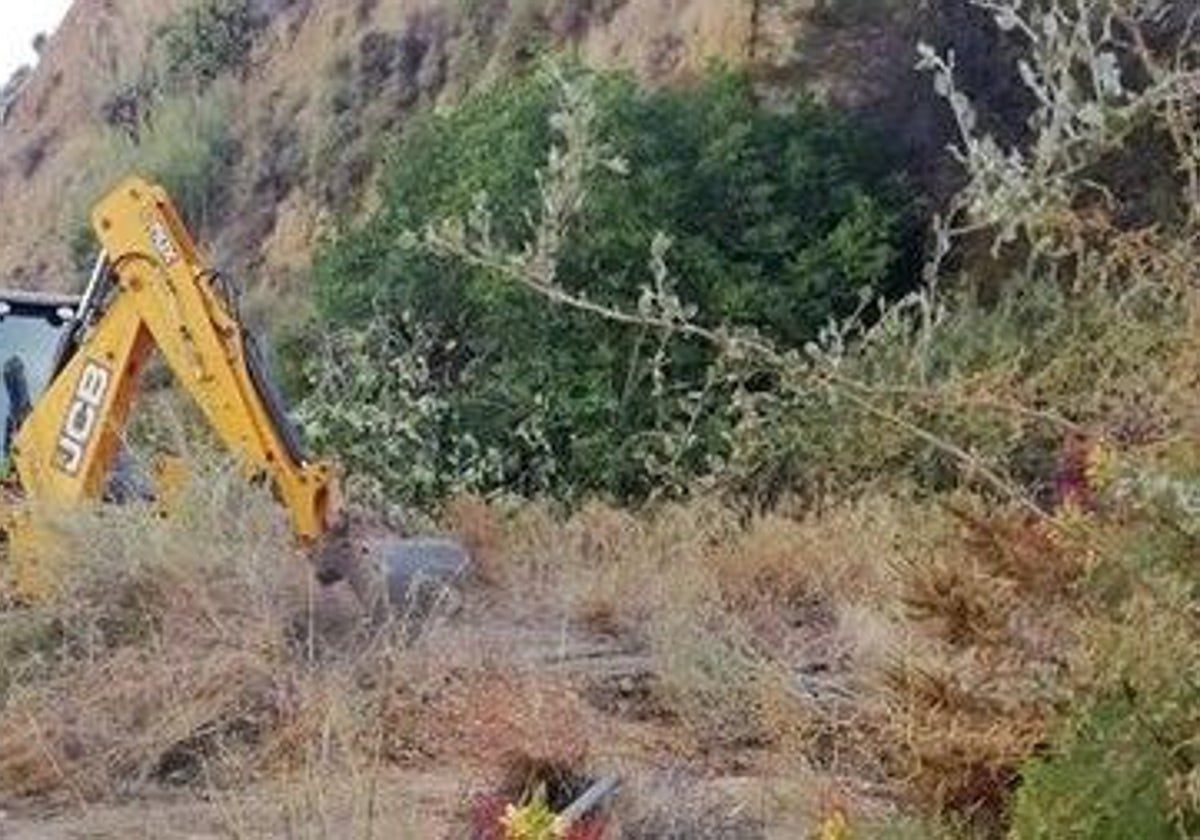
x=209, y=39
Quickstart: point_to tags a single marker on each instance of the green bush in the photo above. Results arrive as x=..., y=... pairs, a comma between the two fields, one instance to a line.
x=1126, y=763
x=208, y=39
x=1125, y=760
x=780, y=220
x=1106, y=780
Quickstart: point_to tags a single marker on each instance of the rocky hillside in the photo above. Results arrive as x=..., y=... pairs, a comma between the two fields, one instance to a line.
x=53, y=127
x=323, y=84
x=317, y=68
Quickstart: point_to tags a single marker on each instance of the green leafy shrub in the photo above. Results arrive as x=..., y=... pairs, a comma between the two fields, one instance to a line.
x=1107, y=780
x=371, y=393
x=208, y=39
x=779, y=221
x=1126, y=761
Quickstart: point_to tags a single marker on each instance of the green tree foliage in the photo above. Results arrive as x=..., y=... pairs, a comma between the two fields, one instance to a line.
x=779, y=221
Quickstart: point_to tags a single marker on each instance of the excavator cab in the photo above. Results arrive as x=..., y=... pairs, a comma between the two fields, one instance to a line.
x=37, y=333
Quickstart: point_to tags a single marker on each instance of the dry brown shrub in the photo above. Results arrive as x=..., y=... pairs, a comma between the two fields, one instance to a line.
x=960, y=601
x=991, y=606
x=977, y=577
x=487, y=717
x=959, y=729
x=1029, y=553
x=169, y=644
x=481, y=528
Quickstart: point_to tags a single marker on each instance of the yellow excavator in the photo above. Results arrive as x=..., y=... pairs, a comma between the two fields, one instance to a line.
x=71, y=369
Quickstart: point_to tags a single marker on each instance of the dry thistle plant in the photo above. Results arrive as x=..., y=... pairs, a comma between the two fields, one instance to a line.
x=1099, y=72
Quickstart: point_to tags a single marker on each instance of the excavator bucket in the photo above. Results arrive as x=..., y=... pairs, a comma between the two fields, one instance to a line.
x=407, y=578
x=404, y=579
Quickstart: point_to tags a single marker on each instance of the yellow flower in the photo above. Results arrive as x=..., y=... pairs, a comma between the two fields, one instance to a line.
x=835, y=827
x=1103, y=465
x=533, y=821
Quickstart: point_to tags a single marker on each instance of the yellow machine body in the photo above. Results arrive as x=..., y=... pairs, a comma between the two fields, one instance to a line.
x=157, y=294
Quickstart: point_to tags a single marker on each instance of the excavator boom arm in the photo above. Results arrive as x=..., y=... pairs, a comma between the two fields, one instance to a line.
x=163, y=295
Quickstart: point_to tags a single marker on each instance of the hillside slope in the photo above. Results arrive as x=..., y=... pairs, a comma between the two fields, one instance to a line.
x=52, y=130
x=328, y=82
x=56, y=147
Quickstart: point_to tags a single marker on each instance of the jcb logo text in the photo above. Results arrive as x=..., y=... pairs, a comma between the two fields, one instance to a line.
x=83, y=417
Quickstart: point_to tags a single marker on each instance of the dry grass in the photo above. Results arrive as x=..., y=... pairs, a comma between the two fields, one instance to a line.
x=909, y=643
x=196, y=651
x=170, y=642
x=904, y=644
